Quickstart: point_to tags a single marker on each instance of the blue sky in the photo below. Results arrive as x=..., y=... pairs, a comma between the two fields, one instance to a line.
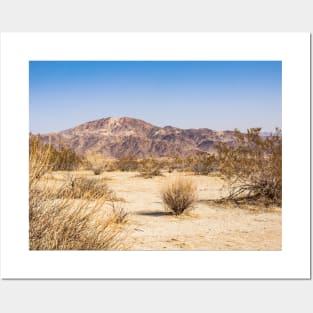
x=220, y=95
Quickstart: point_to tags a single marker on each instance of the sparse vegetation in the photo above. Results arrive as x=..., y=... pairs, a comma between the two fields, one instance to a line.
x=86, y=188
x=72, y=218
x=118, y=215
x=96, y=163
x=68, y=225
x=127, y=164
x=77, y=210
x=252, y=167
x=97, y=171
x=179, y=194
x=64, y=159
x=176, y=163
x=203, y=163
x=147, y=167
x=150, y=167
x=58, y=159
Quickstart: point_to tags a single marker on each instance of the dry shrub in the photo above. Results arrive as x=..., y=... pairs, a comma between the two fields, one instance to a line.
x=60, y=222
x=96, y=163
x=150, y=168
x=85, y=188
x=60, y=158
x=179, y=194
x=69, y=225
x=127, y=164
x=149, y=173
x=97, y=171
x=111, y=166
x=176, y=163
x=118, y=214
x=253, y=167
x=39, y=160
x=203, y=163
x=64, y=158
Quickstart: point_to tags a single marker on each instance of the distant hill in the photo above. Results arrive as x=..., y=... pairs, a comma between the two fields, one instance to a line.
x=125, y=136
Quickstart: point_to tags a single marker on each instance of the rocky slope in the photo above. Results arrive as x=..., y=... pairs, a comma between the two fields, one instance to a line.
x=120, y=137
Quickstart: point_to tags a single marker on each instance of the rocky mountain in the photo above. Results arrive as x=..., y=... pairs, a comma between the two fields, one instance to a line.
x=121, y=137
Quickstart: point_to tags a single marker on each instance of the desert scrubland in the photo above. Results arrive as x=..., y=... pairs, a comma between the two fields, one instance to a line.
x=227, y=201
x=206, y=226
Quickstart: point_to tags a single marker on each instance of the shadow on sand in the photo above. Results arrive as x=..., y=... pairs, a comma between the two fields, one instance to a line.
x=156, y=213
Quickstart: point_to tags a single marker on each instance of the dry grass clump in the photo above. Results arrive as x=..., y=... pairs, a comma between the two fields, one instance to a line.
x=118, y=214
x=64, y=158
x=39, y=159
x=179, y=194
x=253, y=167
x=59, y=157
x=85, y=188
x=69, y=219
x=66, y=225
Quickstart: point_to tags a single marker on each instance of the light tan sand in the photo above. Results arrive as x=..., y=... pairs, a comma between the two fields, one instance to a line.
x=206, y=227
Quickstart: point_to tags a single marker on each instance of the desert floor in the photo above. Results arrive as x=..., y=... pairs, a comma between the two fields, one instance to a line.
x=207, y=226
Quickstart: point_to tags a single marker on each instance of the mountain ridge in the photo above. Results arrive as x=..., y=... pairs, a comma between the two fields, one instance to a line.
x=116, y=137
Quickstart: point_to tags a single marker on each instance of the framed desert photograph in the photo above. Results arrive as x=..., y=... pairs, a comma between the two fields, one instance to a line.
x=155, y=155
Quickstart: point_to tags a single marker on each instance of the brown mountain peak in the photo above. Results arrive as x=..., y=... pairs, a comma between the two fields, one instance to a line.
x=125, y=136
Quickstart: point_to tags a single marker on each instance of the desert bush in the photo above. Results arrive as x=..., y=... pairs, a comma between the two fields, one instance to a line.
x=176, y=164
x=150, y=168
x=149, y=173
x=179, y=194
x=118, y=214
x=66, y=225
x=61, y=222
x=252, y=166
x=39, y=159
x=127, y=164
x=65, y=159
x=85, y=188
x=61, y=158
x=97, y=171
x=202, y=163
x=97, y=163
x=111, y=166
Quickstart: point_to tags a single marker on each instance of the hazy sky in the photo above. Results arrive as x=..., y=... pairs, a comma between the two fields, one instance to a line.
x=219, y=95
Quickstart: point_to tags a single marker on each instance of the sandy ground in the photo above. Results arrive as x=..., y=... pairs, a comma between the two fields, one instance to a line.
x=207, y=226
